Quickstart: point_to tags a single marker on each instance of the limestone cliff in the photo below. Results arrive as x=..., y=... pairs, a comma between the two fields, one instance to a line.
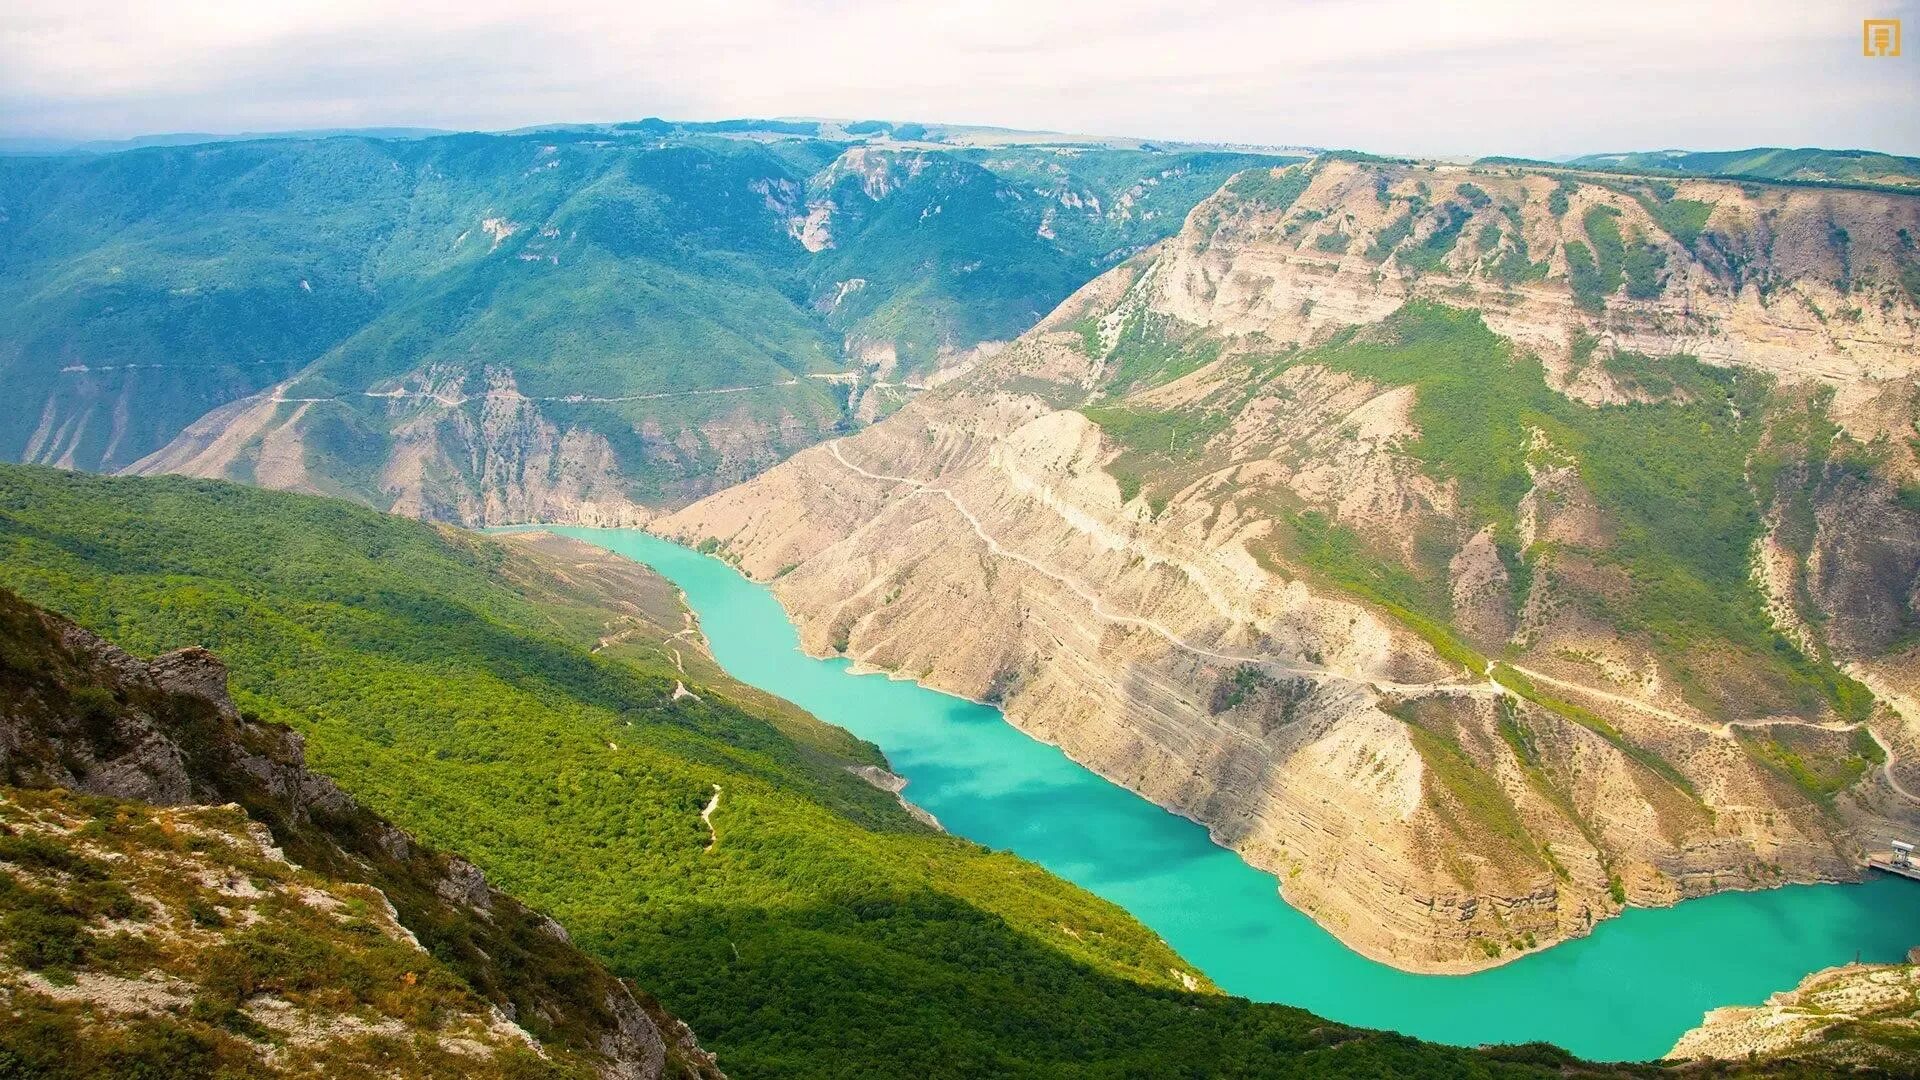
x=1478, y=550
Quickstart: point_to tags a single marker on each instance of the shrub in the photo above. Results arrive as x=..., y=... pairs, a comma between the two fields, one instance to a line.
x=45, y=939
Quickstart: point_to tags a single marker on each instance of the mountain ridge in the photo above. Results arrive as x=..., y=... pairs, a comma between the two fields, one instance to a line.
x=474, y=327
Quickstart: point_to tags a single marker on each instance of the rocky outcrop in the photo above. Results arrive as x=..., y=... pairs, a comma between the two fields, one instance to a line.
x=897, y=785
x=1860, y=1017
x=1150, y=597
x=176, y=921
x=79, y=714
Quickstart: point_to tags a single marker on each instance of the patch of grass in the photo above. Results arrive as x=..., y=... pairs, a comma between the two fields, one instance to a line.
x=1271, y=189
x=1152, y=441
x=38, y=939
x=1153, y=349
x=1475, y=195
x=1683, y=219
x=1091, y=342
x=1584, y=278
x=1513, y=267
x=1642, y=268
x=1557, y=202
x=1469, y=793
x=1596, y=273
x=1389, y=237
x=1346, y=560
x=1431, y=251
x=1819, y=772
x=1513, y=680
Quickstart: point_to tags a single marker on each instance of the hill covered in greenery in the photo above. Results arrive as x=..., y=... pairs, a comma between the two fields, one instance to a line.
x=451, y=684
x=661, y=296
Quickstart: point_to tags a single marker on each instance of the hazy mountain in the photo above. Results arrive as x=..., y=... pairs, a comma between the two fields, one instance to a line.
x=51, y=145
x=1772, y=163
x=560, y=323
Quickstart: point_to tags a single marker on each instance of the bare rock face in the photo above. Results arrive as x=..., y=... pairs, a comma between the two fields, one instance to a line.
x=449, y=443
x=497, y=460
x=194, y=672
x=1140, y=609
x=478, y=458
x=465, y=885
x=897, y=785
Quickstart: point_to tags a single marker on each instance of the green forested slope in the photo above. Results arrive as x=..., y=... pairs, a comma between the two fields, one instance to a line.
x=601, y=267
x=447, y=681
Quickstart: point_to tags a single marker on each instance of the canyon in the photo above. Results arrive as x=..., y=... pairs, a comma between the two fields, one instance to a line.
x=1481, y=550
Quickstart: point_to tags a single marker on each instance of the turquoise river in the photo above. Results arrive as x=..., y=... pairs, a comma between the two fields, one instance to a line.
x=1626, y=992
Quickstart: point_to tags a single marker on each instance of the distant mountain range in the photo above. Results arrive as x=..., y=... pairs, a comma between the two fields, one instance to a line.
x=506, y=327
x=28, y=145
x=1807, y=164
x=884, y=131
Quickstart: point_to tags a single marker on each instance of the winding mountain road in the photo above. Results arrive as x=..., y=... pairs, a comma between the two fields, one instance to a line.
x=1490, y=687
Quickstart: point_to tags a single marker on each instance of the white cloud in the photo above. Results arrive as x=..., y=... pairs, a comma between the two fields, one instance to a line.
x=1388, y=75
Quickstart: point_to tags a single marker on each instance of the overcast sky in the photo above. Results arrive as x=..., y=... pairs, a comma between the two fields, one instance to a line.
x=1401, y=76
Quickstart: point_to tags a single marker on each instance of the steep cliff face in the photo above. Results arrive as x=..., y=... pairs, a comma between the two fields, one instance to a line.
x=288, y=929
x=1479, y=550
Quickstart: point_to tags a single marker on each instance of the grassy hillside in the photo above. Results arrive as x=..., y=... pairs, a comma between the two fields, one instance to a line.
x=448, y=682
x=604, y=269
